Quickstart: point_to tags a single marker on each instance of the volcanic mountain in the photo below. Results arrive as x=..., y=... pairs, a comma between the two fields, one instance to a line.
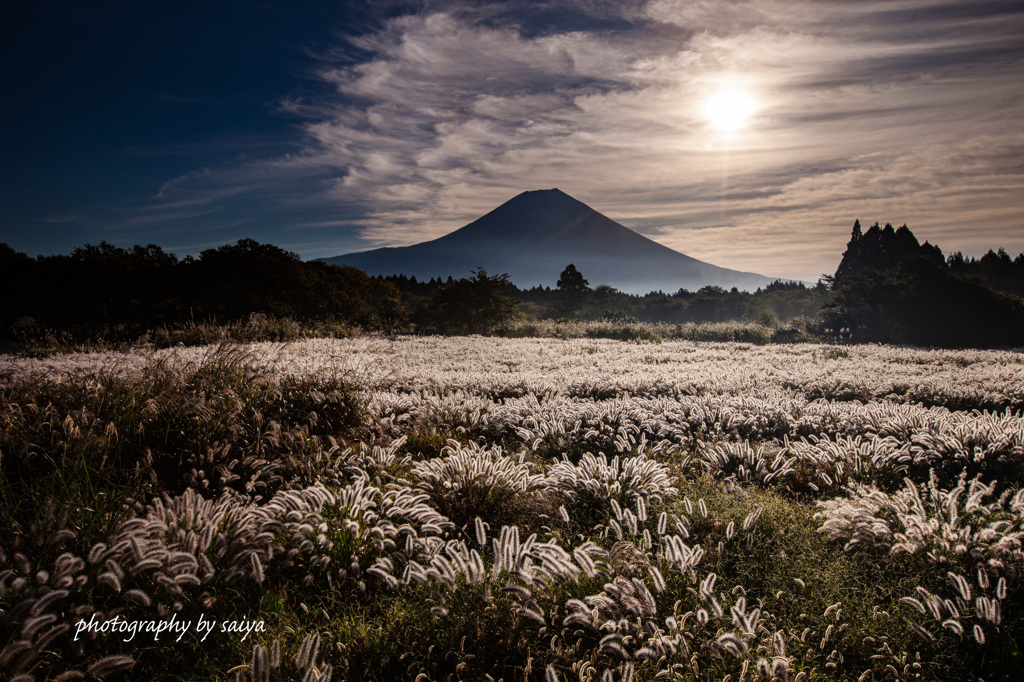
x=534, y=235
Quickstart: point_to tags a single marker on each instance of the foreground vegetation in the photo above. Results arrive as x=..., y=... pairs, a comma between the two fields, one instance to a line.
x=471, y=508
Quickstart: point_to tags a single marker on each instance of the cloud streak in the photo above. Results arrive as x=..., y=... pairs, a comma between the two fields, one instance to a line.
x=901, y=110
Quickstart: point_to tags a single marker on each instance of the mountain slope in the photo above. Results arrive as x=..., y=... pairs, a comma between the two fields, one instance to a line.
x=534, y=235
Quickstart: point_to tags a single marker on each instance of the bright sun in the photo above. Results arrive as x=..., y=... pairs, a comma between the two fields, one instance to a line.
x=728, y=110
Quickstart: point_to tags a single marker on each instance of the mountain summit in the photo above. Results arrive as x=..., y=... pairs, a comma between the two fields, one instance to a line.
x=534, y=235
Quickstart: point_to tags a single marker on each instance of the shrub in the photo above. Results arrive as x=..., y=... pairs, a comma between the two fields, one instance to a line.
x=468, y=481
x=595, y=482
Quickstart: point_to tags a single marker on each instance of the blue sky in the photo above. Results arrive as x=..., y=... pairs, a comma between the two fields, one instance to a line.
x=328, y=127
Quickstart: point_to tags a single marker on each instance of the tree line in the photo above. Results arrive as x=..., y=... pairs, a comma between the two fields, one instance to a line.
x=888, y=288
x=574, y=298
x=106, y=292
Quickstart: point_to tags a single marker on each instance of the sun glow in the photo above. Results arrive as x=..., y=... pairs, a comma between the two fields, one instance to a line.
x=728, y=110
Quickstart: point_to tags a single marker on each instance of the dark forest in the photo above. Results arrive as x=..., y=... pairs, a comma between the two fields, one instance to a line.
x=888, y=288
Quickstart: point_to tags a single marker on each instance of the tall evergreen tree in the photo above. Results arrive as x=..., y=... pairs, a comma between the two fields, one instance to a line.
x=573, y=287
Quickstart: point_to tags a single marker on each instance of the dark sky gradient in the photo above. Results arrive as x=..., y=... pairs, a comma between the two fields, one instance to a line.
x=328, y=127
x=107, y=101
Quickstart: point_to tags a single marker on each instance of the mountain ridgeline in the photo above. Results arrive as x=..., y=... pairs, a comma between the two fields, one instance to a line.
x=534, y=235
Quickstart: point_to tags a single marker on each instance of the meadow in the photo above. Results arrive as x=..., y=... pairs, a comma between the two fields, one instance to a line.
x=477, y=508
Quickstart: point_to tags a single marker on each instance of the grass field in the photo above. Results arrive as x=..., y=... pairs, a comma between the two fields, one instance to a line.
x=429, y=508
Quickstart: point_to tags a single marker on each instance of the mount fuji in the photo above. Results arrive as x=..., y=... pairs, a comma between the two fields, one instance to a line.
x=534, y=235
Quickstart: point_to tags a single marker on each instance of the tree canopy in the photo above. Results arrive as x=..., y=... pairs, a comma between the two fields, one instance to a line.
x=473, y=305
x=890, y=288
x=107, y=291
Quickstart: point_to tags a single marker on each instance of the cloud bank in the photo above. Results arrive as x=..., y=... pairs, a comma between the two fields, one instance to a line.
x=890, y=110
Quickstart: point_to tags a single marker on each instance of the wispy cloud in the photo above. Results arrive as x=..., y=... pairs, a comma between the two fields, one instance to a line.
x=900, y=110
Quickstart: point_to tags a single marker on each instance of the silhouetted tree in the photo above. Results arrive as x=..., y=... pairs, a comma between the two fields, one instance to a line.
x=881, y=249
x=571, y=280
x=889, y=288
x=572, y=287
x=474, y=305
x=119, y=294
